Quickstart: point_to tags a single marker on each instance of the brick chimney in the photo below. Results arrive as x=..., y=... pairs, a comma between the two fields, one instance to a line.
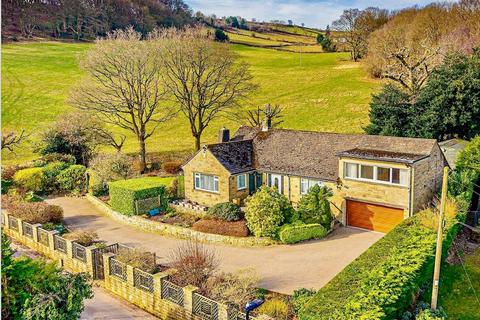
x=224, y=135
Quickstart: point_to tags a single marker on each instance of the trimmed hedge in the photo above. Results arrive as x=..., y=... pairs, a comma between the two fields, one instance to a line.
x=124, y=193
x=293, y=233
x=383, y=281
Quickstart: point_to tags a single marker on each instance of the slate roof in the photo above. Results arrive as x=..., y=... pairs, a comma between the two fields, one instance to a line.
x=315, y=154
x=235, y=156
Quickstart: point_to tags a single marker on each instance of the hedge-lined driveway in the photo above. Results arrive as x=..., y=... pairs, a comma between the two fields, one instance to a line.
x=281, y=268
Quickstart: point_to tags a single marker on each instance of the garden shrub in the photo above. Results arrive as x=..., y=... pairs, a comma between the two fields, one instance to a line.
x=314, y=207
x=9, y=171
x=266, y=211
x=53, y=157
x=227, y=211
x=301, y=297
x=106, y=168
x=276, y=308
x=172, y=167
x=31, y=179
x=293, y=233
x=72, y=178
x=233, y=288
x=124, y=193
x=195, y=264
x=51, y=171
x=34, y=212
x=383, y=281
x=137, y=258
x=6, y=184
x=84, y=237
x=226, y=228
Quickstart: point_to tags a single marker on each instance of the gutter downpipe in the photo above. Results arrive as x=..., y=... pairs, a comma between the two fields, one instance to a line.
x=412, y=183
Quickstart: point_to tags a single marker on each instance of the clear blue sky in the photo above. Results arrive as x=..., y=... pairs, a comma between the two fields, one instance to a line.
x=314, y=13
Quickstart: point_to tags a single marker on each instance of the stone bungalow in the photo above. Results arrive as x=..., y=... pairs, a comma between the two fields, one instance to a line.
x=377, y=180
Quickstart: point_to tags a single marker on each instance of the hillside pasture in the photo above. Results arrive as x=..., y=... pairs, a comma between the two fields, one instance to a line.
x=322, y=92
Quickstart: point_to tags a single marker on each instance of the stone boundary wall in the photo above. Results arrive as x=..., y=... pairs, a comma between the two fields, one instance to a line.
x=177, y=231
x=149, y=300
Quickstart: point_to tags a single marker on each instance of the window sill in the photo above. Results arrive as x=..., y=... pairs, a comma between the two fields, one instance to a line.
x=207, y=191
x=241, y=189
x=387, y=184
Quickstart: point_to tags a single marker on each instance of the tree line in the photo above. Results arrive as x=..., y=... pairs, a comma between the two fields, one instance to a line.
x=85, y=20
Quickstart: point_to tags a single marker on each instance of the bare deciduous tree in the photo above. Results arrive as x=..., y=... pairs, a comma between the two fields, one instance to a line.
x=347, y=23
x=124, y=86
x=107, y=137
x=357, y=25
x=406, y=49
x=256, y=117
x=11, y=140
x=204, y=77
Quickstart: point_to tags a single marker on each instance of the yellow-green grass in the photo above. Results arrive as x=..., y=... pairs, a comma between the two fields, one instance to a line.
x=276, y=36
x=303, y=48
x=456, y=293
x=316, y=91
x=249, y=40
x=294, y=29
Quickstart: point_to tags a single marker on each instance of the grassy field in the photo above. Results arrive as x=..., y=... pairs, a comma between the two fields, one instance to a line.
x=322, y=92
x=456, y=294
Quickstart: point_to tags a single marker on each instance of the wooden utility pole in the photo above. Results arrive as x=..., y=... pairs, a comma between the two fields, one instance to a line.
x=438, y=251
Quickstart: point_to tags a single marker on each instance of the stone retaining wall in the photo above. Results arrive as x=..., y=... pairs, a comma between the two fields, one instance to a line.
x=149, y=300
x=177, y=231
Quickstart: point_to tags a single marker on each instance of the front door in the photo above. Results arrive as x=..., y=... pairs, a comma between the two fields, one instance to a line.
x=276, y=182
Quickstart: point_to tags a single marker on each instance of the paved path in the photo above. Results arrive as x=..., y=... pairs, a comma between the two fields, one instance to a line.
x=103, y=305
x=281, y=268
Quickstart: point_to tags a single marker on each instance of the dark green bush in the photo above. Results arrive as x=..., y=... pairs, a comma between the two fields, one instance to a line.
x=226, y=211
x=51, y=171
x=293, y=233
x=314, y=207
x=6, y=184
x=73, y=178
x=124, y=193
x=382, y=282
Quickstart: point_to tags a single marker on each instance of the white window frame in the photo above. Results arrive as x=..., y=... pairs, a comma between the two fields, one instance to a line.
x=375, y=174
x=271, y=177
x=216, y=185
x=310, y=183
x=245, y=182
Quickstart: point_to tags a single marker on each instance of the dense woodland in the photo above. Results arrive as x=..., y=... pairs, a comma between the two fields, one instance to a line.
x=85, y=20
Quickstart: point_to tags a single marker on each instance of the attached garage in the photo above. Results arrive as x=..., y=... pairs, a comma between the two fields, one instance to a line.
x=372, y=216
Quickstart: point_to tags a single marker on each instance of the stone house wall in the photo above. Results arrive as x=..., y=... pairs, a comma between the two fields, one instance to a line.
x=205, y=162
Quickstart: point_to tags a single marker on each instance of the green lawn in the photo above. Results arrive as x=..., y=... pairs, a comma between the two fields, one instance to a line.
x=456, y=295
x=317, y=91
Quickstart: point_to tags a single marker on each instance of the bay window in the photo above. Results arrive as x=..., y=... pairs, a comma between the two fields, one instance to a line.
x=380, y=174
x=206, y=182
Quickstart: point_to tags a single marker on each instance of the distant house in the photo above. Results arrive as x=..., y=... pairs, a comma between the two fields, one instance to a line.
x=377, y=180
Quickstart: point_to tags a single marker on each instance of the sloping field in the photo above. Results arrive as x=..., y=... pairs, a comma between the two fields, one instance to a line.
x=317, y=92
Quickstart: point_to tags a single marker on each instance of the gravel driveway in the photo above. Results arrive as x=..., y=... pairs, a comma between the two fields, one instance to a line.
x=282, y=268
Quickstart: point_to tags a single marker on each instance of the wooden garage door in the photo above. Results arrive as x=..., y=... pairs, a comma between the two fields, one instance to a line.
x=372, y=216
